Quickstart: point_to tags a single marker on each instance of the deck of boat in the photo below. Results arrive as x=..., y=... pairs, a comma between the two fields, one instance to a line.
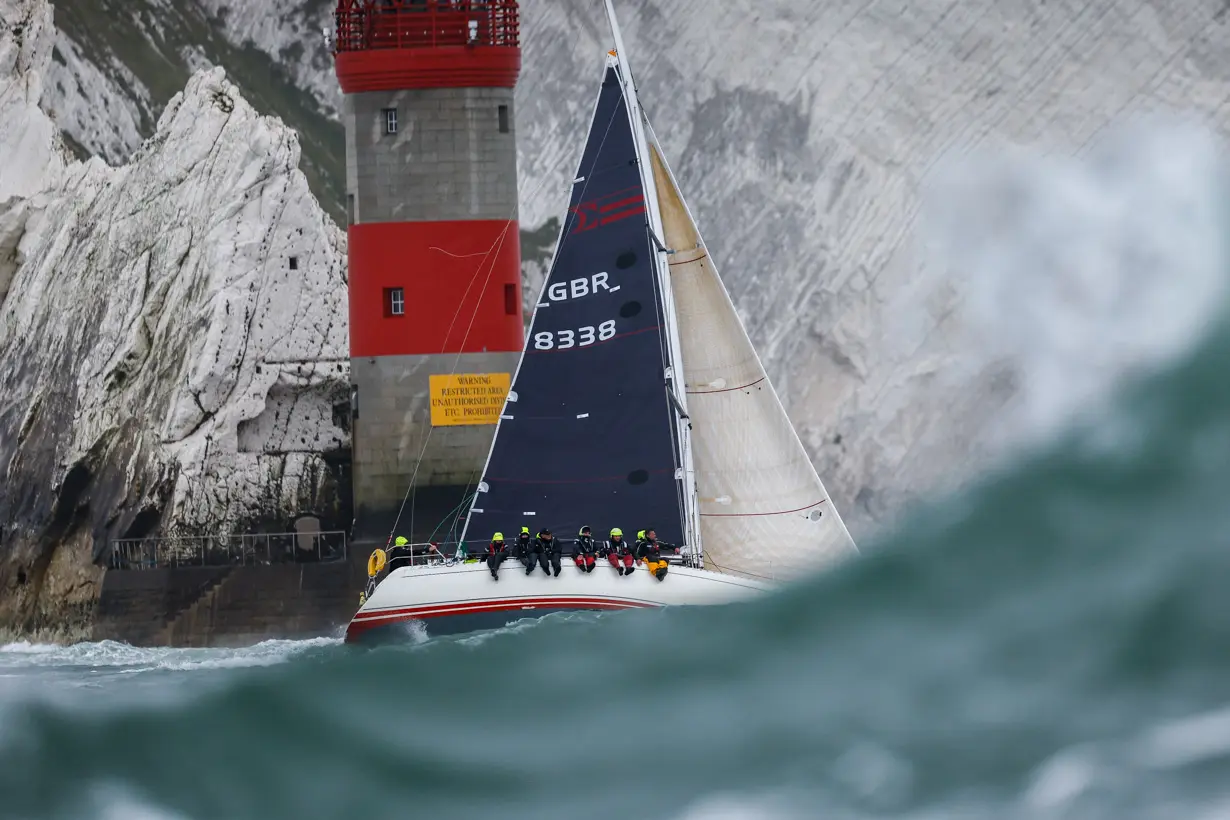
x=465, y=598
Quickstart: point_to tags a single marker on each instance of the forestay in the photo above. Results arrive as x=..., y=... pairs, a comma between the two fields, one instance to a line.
x=586, y=437
x=763, y=509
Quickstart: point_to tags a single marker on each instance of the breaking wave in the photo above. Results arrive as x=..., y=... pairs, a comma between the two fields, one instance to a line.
x=1054, y=642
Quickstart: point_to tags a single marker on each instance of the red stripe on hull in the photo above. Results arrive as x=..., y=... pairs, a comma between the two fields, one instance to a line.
x=365, y=621
x=456, y=277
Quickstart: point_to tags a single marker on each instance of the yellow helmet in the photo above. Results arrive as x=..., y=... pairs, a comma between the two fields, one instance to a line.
x=617, y=531
x=640, y=534
x=400, y=541
x=499, y=536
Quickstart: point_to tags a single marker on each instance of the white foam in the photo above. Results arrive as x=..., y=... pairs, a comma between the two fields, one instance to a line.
x=739, y=807
x=111, y=654
x=1062, y=778
x=1112, y=766
x=1185, y=742
x=115, y=802
x=27, y=648
x=1081, y=271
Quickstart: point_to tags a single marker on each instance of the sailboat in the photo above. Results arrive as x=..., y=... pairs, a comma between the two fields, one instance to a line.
x=639, y=401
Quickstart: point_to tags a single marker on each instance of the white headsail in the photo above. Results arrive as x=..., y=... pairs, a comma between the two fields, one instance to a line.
x=673, y=381
x=763, y=509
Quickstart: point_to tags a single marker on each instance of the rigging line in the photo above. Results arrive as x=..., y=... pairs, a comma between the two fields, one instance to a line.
x=500, y=242
x=761, y=514
x=474, y=315
x=452, y=371
x=726, y=389
x=587, y=177
x=457, y=255
x=663, y=350
x=449, y=515
x=708, y=558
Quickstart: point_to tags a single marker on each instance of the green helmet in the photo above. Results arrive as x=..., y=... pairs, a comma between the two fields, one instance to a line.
x=400, y=541
x=499, y=536
x=525, y=530
x=640, y=534
x=617, y=531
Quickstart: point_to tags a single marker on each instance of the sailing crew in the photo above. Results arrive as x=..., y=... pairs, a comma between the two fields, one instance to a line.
x=584, y=554
x=400, y=554
x=619, y=553
x=548, y=551
x=496, y=553
x=651, y=553
x=527, y=550
x=521, y=548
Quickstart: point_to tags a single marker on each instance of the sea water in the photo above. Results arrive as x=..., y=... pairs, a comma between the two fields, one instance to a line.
x=1052, y=641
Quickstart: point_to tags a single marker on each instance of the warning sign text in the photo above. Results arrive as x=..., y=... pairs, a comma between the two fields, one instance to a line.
x=468, y=398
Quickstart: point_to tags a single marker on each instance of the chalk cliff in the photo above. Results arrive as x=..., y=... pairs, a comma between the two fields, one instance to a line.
x=173, y=336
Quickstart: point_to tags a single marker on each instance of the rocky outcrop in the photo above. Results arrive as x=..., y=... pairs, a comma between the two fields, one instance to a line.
x=173, y=345
x=33, y=151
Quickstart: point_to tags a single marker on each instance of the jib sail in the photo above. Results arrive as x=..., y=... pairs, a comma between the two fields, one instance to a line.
x=587, y=434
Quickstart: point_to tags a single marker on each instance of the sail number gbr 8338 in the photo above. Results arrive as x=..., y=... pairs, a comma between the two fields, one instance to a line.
x=584, y=336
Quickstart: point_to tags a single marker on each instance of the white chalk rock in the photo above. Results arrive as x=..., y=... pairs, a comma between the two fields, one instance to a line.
x=174, y=338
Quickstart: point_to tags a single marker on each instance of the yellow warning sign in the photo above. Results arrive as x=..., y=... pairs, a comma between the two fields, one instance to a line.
x=468, y=398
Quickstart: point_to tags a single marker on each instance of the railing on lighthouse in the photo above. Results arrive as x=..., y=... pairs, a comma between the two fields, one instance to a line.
x=363, y=25
x=384, y=45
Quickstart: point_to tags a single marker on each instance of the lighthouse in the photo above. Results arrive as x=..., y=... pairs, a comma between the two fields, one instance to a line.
x=434, y=252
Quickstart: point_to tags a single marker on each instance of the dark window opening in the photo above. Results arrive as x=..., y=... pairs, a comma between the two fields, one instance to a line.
x=504, y=124
x=394, y=302
x=510, y=300
x=349, y=209
x=294, y=263
x=390, y=120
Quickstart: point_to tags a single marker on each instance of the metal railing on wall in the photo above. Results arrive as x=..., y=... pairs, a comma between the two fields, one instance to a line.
x=368, y=24
x=228, y=550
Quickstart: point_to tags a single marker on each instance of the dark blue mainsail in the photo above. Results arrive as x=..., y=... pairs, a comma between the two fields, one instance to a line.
x=587, y=436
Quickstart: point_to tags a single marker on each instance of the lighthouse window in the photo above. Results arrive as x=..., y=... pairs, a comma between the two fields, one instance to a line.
x=390, y=120
x=503, y=119
x=394, y=302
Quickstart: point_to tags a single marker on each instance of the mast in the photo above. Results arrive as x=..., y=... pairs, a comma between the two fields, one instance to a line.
x=674, y=369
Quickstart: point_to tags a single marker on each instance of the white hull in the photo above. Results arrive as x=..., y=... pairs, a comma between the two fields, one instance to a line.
x=464, y=597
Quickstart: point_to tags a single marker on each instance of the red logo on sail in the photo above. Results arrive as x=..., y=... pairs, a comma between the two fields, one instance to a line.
x=611, y=208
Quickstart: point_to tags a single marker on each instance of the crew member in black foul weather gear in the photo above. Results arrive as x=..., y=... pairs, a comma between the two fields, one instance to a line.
x=401, y=554
x=619, y=553
x=524, y=550
x=584, y=554
x=651, y=553
x=497, y=551
x=548, y=552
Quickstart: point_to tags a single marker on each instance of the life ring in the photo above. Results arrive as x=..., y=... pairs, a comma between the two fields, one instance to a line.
x=375, y=562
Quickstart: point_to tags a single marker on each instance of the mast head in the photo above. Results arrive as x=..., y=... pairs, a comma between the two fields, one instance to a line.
x=383, y=45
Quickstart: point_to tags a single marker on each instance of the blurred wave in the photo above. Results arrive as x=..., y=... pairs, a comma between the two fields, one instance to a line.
x=1053, y=642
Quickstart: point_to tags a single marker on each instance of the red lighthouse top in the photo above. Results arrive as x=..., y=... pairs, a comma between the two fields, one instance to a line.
x=385, y=45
